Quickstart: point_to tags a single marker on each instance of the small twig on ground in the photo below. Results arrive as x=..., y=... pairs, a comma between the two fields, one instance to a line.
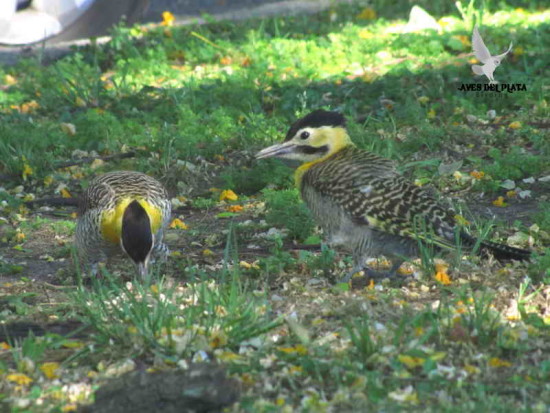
x=91, y=159
x=66, y=164
x=53, y=201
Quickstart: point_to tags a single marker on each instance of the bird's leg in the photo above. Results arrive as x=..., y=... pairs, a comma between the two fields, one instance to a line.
x=161, y=251
x=94, y=264
x=356, y=268
x=358, y=264
x=94, y=269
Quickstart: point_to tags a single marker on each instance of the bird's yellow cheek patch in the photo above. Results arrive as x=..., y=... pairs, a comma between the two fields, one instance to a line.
x=111, y=220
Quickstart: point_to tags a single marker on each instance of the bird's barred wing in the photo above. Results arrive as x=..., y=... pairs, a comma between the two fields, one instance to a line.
x=390, y=204
x=480, y=50
x=96, y=196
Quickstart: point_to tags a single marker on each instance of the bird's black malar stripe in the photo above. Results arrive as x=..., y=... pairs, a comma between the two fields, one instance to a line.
x=311, y=150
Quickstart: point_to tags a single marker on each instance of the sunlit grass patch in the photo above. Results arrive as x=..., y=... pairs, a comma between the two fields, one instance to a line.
x=173, y=320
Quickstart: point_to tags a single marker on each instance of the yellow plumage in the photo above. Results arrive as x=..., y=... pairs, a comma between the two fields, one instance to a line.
x=119, y=200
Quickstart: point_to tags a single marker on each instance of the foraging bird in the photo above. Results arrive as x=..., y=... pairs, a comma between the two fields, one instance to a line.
x=126, y=211
x=490, y=63
x=363, y=203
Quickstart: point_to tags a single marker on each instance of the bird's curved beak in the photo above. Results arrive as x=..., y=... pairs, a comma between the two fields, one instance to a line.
x=277, y=151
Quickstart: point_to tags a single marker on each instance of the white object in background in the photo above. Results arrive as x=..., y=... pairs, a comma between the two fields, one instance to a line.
x=40, y=20
x=7, y=10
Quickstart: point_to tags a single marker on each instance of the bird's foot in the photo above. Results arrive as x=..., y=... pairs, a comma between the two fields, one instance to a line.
x=349, y=275
x=161, y=253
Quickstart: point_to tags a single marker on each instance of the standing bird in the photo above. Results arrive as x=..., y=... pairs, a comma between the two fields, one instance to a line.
x=362, y=202
x=490, y=63
x=126, y=210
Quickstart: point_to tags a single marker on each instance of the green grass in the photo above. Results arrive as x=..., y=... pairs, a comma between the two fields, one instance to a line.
x=195, y=104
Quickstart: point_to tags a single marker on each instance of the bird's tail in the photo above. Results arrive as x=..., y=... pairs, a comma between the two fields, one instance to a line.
x=504, y=252
x=477, y=70
x=501, y=252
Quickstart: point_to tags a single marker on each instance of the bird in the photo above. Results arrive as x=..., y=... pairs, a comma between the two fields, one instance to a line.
x=361, y=201
x=122, y=212
x=490, y=63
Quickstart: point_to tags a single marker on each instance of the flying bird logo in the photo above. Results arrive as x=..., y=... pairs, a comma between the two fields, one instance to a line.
x=490, y=63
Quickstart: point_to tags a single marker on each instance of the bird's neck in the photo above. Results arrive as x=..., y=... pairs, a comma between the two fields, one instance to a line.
x=339, y=143
x=111, y=220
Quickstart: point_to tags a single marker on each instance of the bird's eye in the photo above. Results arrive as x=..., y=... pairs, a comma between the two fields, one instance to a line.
x=304, y=135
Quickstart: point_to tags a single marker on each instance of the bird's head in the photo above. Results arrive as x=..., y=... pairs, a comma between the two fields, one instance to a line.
x=137, y=239
x=314, y=137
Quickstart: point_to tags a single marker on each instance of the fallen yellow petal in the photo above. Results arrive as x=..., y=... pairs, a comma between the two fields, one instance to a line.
x=496, y=362
x=410, y=361
x=229, y=195
x=298, y=349
x=68, y=128
x=477, y=174
x=80, y=102
x=518, y=51
x=50, y=369
x=167, y=18
x=471, y=369
x=19, y=378
x=367, y=14
x=499, y=202
x=96, y=163
x=443, y=278
x=235, y=208
x=423, y=100
x=27, y=171
x=178, y=224
x=460, y=220
x=218, y=339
